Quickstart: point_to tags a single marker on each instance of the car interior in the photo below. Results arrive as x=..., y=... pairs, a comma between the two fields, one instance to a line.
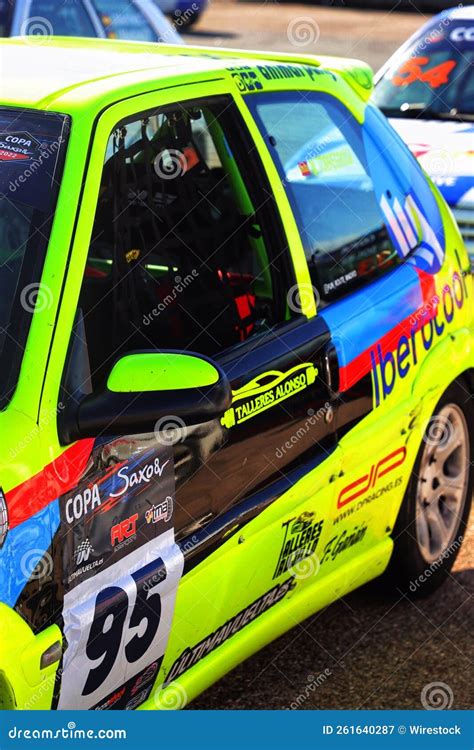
x=177, y=258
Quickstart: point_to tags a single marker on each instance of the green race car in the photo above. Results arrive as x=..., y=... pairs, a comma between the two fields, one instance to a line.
x=236, y=335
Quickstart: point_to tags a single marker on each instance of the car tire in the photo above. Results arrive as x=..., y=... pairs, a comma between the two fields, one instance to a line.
x=435, y=510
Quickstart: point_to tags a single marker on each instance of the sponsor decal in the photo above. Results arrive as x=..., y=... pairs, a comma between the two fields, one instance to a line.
x=370, y=479
x=83, y=552
x=138, y=699
x=17, y=146
x=410, y=228
x=82, y=503
x=95, y=498
x=84, y=570
x=4, y=526
x=161, y=512
x=110, y=702
x=133, y=693
x=462, y=34
x=146, y=676
x=342, y=542
x=267, y=390
x=250, y=79
x=119, y=603
x=300, y=539
x=132, y=486
x=331, y=286
x=350, y=509
x=191, y=656
x=136, y=478
x=81, y=556
x=124, y=530
x=388, y=366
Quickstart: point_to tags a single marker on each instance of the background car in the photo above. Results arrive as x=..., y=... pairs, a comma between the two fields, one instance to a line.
x=184, y=12
x=427, y=90
x=140, y=20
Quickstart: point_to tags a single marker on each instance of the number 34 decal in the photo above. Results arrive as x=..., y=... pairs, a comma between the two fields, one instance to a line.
x=116, y=623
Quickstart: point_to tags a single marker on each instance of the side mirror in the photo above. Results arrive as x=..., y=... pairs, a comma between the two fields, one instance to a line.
x=144, y=387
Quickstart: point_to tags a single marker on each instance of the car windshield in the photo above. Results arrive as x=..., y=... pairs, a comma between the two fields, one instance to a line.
x=434, y=77
x=123, y=20
x=31, y=154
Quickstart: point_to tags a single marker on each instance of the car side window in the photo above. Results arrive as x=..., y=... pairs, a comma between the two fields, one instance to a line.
x=122, y=20
x=68, y=19
x=184, y=253
x=318, y=148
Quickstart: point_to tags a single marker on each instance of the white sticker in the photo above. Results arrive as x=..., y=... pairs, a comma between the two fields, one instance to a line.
x=116, y=624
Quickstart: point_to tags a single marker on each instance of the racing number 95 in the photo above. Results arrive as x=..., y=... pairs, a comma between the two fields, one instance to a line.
x=110, y=613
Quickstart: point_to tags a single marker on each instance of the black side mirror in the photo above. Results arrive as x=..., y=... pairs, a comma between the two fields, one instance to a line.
x=144, y=387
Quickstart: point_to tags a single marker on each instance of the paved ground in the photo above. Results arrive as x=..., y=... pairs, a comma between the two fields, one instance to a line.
x=367, y=34
x=366, y=651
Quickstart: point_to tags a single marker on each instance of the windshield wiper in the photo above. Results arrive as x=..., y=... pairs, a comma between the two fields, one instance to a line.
x=422, y=111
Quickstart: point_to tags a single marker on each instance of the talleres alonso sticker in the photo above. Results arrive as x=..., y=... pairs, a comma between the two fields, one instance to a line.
x=267, y=390
x=121, y=570
x=300, y=539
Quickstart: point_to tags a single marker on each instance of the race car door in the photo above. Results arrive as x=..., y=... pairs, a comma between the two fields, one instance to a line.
x=187, y=252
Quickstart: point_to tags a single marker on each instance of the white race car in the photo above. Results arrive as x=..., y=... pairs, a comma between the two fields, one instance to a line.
x=427, y=90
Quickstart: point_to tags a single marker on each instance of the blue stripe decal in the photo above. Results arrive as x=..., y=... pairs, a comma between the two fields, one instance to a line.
x=358, y=321
x=24, y=547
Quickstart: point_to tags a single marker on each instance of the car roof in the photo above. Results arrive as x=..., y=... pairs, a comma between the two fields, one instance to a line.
x=463, y=13
x=67, y=73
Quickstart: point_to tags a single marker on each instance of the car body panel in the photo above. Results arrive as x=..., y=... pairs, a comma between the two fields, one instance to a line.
x=231, y=590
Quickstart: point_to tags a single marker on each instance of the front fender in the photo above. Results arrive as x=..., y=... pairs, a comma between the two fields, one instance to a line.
x=28, y=662
x=447, y=361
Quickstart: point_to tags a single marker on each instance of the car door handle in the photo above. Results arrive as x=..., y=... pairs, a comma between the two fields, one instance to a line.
x=330, y=369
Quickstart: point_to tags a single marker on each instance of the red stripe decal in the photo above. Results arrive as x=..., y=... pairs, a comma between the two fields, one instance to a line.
x=58, y=477
x=356, y=369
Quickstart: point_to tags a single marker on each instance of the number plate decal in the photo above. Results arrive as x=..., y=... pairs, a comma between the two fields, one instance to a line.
x=121, y=571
